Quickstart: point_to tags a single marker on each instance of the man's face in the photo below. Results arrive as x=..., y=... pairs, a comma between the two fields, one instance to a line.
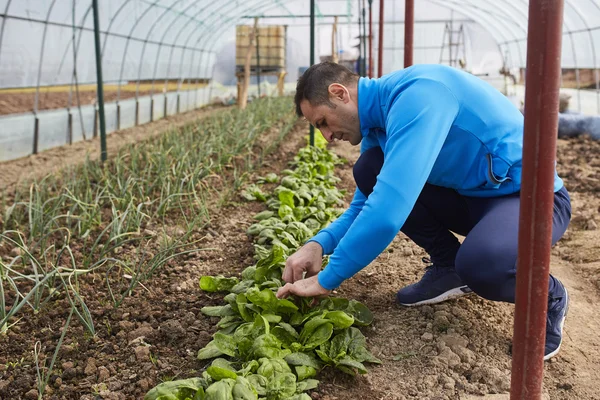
x=340, y=122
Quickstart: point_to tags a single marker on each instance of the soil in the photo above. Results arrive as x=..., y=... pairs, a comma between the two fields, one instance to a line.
x=16, y=103
x=456, y=350
x=38, y=165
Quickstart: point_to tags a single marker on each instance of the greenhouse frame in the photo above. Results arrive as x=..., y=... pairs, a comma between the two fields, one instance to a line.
x=213, y=181
x=160, y=57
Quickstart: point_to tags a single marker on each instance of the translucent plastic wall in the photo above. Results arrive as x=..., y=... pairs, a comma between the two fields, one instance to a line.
x=166, y=56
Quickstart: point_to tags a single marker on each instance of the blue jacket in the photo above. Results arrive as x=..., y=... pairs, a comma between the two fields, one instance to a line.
x=435, y=124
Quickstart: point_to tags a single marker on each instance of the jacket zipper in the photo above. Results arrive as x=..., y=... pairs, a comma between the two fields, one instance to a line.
x=491, y=172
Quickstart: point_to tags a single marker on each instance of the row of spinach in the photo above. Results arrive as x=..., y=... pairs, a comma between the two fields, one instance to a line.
x=270, y=348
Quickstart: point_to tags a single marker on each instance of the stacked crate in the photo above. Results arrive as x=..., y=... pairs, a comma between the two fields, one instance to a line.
x=271, y=49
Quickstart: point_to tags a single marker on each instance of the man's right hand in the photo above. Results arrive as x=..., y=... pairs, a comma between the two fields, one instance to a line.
x=308, y=259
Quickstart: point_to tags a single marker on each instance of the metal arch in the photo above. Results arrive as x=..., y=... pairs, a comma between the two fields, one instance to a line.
x=110, y=23
x=573, y=51
x=83, y=29
x=257, y=6
x=520, y=54
x=576, y=10
x=209, y=37
x=127, y=46
x=236, y=18
x=216, y=32
x=504, y=17
x=595, y=3
x=76, y=51
x=182, y=57
x=223, y=18
x=3, y=25
x=482, y=13
x=522, y=24
x=71, y=41
x=476, y=16
x=175, y=40
x=186, y=42
x=596, y=73
x=165, y=12
x=520, y=13
x=571, y=5
x=37, y=90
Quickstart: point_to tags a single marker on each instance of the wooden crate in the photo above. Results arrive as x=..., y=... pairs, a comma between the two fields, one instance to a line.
x=271, y=46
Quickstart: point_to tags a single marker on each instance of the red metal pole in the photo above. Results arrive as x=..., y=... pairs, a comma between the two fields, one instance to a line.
x=535, y=224
x=409, y=25
x=380, y=55
x=370, y=38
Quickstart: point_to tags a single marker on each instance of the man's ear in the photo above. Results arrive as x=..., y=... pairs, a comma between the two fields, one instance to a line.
x=339, y=92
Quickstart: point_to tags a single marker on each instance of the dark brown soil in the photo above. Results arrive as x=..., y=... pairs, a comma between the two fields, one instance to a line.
x=38, y=165
x=456, y=350
x=16, y=103
x=155, y=334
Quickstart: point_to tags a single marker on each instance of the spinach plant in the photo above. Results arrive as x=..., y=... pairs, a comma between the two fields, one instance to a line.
x=270, y=348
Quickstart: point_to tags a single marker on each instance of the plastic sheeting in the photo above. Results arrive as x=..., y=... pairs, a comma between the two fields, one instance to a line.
x=164, y=46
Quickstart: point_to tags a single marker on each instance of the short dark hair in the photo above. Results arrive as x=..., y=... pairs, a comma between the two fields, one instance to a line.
x=314, y=83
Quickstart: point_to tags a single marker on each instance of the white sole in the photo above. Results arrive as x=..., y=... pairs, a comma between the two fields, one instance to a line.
x=562, y=325
x=449, y=295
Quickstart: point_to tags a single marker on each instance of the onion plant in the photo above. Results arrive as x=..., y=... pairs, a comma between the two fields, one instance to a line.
x=99, y=208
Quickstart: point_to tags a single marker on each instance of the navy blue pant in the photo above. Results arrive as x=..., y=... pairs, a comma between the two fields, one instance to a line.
x=486, y=260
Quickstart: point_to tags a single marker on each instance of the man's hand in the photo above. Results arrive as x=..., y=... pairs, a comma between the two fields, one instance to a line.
x=308, y=259
x=309, y=287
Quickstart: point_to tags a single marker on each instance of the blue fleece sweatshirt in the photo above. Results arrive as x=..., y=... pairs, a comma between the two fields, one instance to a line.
x=435, y=124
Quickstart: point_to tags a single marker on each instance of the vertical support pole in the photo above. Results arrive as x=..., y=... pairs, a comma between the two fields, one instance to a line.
x=118, y=116
x=380, y=55
x=178, y=104
x=311, y=129
x=137, y=112
x=243, y=93
x=537, y=197
x=450, y=40
x=165, y=107
x=370, y=38
x=334, y=49
x=36, y=134
x=152, y=109
x=409, y=26
x=364, y=39
x=257, y=63
x=69, y=126
x=100, y=81
x=95, y=128
x=360, y=42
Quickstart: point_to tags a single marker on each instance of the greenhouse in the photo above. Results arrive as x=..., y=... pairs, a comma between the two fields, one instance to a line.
x=324, y=199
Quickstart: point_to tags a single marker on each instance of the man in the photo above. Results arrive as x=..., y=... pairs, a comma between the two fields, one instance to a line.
x=440, y=153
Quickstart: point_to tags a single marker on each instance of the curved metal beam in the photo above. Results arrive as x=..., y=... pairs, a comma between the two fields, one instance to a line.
x=141, y=63
x=183, y=54
x=110, y=23
x=167, y=29
x=483, y=20
x=39, y=78
x=199, y=30
x=3, y=25
x=220, y=23
x=137, y=21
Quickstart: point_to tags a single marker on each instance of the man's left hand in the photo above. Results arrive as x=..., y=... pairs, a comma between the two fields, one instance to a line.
x=309, y=287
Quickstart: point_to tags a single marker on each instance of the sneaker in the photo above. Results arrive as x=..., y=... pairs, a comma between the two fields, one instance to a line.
x=558, y=305
x=437, y=285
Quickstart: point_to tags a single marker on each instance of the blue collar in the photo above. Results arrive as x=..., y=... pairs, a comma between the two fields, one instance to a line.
x=370, y=109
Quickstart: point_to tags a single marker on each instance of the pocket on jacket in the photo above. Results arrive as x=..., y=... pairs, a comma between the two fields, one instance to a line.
x=496, y=172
